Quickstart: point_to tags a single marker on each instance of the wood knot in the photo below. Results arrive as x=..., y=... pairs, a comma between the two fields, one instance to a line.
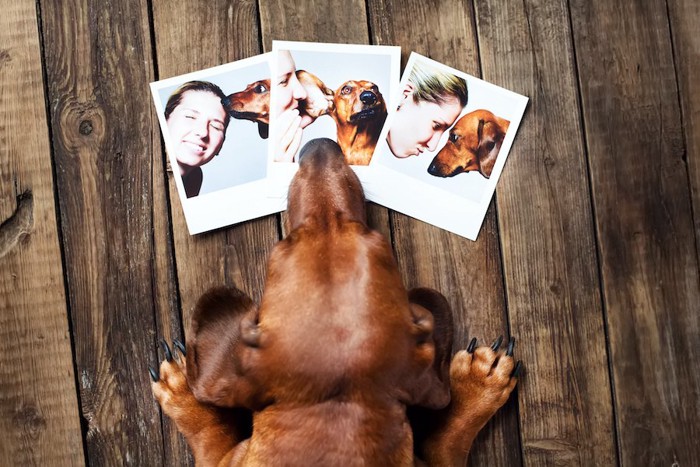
x=4, y=57
x=85, y=127
x=82, y=124
x=19, y=224
x=30, y=420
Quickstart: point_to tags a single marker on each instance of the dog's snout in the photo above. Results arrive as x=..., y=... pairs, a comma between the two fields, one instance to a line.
x=321, y=146
x=368, y=97
x=226, y=102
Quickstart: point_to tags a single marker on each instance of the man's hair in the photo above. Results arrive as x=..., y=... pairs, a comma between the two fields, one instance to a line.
x=204, y=86
x=434, y=85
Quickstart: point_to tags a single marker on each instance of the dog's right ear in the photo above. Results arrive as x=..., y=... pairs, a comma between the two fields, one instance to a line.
x=221, y=344
x=263, y=130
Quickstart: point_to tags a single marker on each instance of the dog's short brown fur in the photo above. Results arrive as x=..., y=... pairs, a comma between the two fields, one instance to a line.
x=360, y=112
x=253, y=103
x=334, y=354
x=473, y=144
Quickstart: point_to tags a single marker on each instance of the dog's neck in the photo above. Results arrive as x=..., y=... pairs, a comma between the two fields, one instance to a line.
x=358, y=140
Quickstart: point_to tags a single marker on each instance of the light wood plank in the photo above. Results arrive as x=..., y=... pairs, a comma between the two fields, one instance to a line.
x=468, y=273
x=644, y=225
x=547, y=233
x=39, y=416
x=98, y=64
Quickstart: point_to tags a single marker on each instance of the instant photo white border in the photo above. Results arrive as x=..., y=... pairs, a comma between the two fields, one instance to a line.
x=427, y=202
x=280, y=174
x=227, y=206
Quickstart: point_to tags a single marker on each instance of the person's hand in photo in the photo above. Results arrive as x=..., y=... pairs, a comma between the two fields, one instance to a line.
x=289, y=129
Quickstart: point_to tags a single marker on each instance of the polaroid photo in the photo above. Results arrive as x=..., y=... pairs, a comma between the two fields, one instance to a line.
x=442, y=150
x=335, y=91
x=215, y=125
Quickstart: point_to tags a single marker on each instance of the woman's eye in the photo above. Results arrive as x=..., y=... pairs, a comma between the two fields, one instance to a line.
x=454, y=137
x=217, y=126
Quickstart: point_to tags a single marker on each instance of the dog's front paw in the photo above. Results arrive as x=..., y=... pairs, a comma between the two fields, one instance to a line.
x=172, y=392
x=482, y=378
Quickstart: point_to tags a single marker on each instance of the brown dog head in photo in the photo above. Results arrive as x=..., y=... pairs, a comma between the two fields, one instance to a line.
x=253, y=103
x=474, y=143
x=360, y=112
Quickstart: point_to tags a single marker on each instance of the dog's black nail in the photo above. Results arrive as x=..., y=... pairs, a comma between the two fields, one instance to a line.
x=497, y=343
x=166, y=349
x=511, y=346
x=472, y=345
x=516, y=370
x=180, y=346
x=154, y=375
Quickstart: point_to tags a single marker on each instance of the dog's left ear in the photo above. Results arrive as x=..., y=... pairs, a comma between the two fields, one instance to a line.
x=263, y=130
x=222, y=338
x=432, y=317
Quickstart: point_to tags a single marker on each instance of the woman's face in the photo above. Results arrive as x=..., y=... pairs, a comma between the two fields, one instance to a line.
x=197, y=128
x=289, y=90
x=417, y=127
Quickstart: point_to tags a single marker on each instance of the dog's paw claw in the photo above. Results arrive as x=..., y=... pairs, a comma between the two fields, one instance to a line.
x=180, y=347
x=511, y=347
x=497, y=344
x=166, y=349
x=517, y=369
x=154, y=375
x=472, y=345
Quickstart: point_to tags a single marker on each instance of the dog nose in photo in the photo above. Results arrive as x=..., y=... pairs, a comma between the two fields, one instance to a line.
x=368, y=97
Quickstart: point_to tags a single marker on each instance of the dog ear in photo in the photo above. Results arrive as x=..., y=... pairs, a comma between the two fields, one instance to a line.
x=474, y=143
x=360, y=112
x=319, y=98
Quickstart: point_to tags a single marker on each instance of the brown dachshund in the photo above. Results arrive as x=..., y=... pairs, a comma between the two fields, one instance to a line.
x=359, y=114
x=337, y=350
x=253, y=103
x=474, y=143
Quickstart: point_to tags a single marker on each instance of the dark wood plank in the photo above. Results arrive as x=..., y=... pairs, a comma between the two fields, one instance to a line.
x=234, y=255
x=468, y=273
x=97, y=57
x=645, y=232
x=547, y=234
x=684, y=16
x=39, y=417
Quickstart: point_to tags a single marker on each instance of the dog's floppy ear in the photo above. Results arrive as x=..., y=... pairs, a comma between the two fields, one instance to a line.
x=432, y=316
x=263, y=130
x=222, y=336
x=491, y=134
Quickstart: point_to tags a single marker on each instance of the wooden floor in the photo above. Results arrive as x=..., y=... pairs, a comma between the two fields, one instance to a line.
x=588, y=256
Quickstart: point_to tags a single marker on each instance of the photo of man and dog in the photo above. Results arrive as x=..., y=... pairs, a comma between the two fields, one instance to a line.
x=331, y=91
x=215, y=126
x=441, y=152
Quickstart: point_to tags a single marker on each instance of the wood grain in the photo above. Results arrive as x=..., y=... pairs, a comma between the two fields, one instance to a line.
x=39, y=417
x=234, y=255
x=547, y=233
x=468, y=273
x=96, y=66
x=684, y=16
x=644, y=225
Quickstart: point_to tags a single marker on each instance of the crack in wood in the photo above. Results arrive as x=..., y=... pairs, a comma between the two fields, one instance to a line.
x=19, y=224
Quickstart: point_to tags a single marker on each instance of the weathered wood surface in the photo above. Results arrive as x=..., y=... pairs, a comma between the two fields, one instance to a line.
x=644, y=225
x=467, y=273
x=589, y=255
x=97, y=57
x=548, y=241
x=39, y=416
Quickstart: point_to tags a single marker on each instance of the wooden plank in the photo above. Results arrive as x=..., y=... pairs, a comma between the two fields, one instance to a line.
x=233, y=255
x=39, y=416
x=468, y=273
x=684, y=16
x=643, y=219
x=98, y=66
x=547, y=234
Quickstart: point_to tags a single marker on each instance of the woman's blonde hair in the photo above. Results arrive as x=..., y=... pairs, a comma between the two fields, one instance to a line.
x=434, y=85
